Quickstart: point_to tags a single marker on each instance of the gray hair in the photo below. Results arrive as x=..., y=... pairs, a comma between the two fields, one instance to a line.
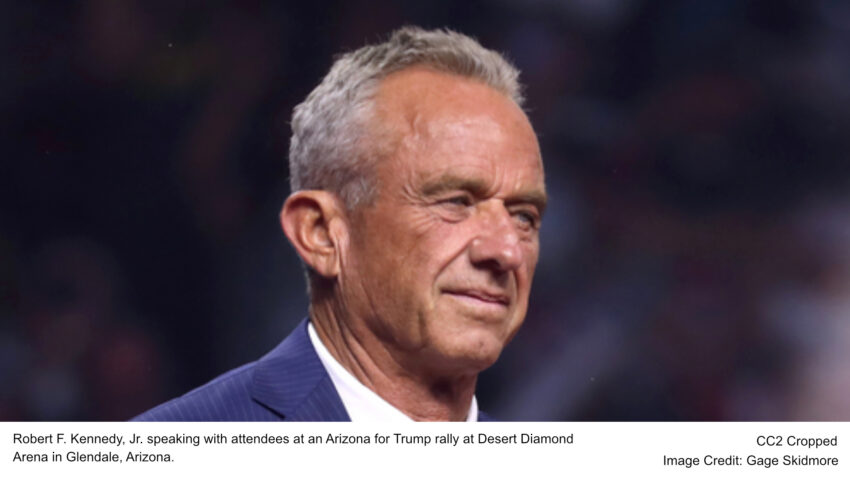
x=329, y=128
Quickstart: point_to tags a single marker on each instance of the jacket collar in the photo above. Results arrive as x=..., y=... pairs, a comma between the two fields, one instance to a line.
x=291, y=381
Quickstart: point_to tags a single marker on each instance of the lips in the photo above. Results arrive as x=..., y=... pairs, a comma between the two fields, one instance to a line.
x=481, y=295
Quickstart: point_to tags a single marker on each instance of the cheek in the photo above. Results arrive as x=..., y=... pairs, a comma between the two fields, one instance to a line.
x=530, y=252
x=431, y=242
x=400, y=251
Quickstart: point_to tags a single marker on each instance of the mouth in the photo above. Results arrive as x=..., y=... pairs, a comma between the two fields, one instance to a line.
x=481, y=297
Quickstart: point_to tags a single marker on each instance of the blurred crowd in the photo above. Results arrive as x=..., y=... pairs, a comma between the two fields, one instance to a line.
x=695, y=256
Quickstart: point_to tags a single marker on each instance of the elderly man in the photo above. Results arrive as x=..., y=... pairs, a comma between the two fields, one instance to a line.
x=417, y=197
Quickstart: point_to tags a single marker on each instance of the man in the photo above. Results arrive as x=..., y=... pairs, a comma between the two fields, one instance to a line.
x=417, y=197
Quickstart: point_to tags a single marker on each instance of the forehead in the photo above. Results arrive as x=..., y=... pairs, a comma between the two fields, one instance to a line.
x=446, y=125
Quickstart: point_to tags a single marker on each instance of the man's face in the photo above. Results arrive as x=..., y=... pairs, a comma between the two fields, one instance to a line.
x=439, y=265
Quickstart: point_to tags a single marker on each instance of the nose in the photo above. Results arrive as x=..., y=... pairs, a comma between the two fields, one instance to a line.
x=497, y=244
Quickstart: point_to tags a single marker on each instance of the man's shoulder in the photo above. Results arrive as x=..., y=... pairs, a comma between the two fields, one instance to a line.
x=287, y=383
x=225, y=398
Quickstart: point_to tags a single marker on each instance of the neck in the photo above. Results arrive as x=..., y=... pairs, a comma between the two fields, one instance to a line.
x=420, y=394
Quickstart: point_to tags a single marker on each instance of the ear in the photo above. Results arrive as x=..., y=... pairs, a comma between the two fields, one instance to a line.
x=311, y=220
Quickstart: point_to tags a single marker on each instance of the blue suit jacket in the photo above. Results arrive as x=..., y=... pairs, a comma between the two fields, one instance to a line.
x=289, y=383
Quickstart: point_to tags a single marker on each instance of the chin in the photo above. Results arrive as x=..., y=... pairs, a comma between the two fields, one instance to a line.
x=470, y=352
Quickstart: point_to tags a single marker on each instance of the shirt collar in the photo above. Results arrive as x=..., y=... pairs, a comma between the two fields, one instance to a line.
x=361, y=403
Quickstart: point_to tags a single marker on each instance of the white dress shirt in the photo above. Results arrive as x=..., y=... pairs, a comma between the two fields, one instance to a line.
x=361, y=403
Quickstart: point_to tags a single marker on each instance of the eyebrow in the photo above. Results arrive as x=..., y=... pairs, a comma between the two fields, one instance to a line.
x=477, y=187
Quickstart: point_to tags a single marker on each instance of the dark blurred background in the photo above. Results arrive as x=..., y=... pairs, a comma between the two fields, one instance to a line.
x=696, y=254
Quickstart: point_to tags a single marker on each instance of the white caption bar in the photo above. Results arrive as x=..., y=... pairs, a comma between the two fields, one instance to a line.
x=461, y=449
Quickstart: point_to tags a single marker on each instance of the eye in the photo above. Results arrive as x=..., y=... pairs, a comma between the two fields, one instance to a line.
x=527, y=219
x=461, y=200
x=455, y=207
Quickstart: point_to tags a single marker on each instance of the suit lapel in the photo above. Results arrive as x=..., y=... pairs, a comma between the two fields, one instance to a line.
x=291, y=381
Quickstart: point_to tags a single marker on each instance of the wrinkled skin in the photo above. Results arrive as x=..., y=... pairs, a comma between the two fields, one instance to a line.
x=435, y=273
x=440, y=266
